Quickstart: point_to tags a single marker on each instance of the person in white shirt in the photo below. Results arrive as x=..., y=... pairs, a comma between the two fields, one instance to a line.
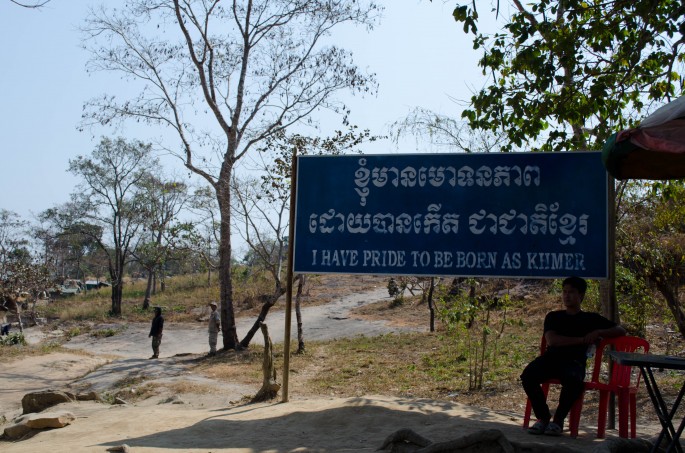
x=214, y=327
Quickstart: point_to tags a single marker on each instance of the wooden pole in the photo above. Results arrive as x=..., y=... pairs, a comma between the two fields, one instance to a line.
x=289, y=286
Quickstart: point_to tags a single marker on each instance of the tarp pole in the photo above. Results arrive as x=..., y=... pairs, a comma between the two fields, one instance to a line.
x=289, y=286
x=609, y=302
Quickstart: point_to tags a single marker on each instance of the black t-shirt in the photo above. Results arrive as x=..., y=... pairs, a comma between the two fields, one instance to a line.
x=577, y=325
x=157, y=326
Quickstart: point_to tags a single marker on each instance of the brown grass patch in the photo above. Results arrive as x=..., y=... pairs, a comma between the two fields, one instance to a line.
x=190, y=387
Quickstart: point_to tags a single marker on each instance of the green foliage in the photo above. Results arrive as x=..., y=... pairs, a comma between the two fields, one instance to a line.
x=13, y=339
x=474, y=323
x=565, y=75
x=397, y=302
x=395, y=292
x=635, y=301
x=73, y=332
x=651, y=243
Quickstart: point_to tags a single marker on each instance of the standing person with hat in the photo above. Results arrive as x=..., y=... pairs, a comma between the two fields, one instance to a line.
x=156, y=332
x=214, y=327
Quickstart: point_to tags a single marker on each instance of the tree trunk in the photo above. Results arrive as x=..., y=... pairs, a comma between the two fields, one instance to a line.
x=673, y=303
x=270, y=387
x=117, y=294
x=116, y=273
x=21, y=324
x=269, y=301
x=228, y=327
x=148, y=290
x=298, y=313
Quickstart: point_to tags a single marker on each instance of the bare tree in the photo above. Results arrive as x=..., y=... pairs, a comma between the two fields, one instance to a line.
x=264, y=228
x=204, y=238
x=224, y=76
x=111, y=197
x=165, y=199
x=443, y=132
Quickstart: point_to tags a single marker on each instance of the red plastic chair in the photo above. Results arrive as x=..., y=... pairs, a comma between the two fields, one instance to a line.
x=576, y=409
x=622, y=383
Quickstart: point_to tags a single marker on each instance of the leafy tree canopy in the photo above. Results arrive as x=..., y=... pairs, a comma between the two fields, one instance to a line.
x=564, y=75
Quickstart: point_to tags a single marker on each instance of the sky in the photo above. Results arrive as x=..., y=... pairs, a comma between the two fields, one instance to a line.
x=419, y=53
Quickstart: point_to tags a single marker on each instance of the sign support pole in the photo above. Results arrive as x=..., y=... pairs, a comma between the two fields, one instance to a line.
x=289, y=277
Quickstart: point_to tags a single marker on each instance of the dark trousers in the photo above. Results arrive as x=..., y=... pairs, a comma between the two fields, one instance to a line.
x=571, y=374
x=156, y=341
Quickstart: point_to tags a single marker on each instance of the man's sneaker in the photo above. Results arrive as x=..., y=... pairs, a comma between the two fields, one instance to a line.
x=538, y=428
x=553, y=429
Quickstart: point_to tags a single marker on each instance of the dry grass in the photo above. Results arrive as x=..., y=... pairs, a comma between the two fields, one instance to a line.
x=235, y=366
x=190, y=387
x=426, y=365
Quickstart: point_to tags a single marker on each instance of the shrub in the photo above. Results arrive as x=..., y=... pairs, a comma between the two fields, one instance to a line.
x=13, y=339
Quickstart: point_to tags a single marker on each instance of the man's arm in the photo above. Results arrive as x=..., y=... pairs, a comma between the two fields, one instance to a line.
x=554, y=339
x=611, y=332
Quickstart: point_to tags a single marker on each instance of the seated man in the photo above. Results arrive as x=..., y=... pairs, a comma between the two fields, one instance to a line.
x=569, y=333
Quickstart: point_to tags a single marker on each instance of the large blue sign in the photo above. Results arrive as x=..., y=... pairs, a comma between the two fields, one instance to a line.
x=504, y=214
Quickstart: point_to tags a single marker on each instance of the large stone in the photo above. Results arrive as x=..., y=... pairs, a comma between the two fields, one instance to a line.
x=50, y=420
x=16, y=431
x=39, y=401
x=24, y=424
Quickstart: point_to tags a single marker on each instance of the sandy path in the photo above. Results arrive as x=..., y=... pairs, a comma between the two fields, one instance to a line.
x=321, y=322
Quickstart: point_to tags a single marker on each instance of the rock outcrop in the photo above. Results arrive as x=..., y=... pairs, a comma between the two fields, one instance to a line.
x=25, y=424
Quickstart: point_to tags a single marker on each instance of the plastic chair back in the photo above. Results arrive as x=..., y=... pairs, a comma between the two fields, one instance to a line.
x=621, y=375
x=619, y=382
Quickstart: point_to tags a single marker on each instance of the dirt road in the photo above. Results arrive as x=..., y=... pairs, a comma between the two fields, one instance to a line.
x=321, y=322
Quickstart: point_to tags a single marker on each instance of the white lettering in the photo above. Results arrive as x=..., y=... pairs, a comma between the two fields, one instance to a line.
x=337, y=257
x=383, y=258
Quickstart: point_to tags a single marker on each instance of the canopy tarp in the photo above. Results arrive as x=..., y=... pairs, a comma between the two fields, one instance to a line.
x=655, y=149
